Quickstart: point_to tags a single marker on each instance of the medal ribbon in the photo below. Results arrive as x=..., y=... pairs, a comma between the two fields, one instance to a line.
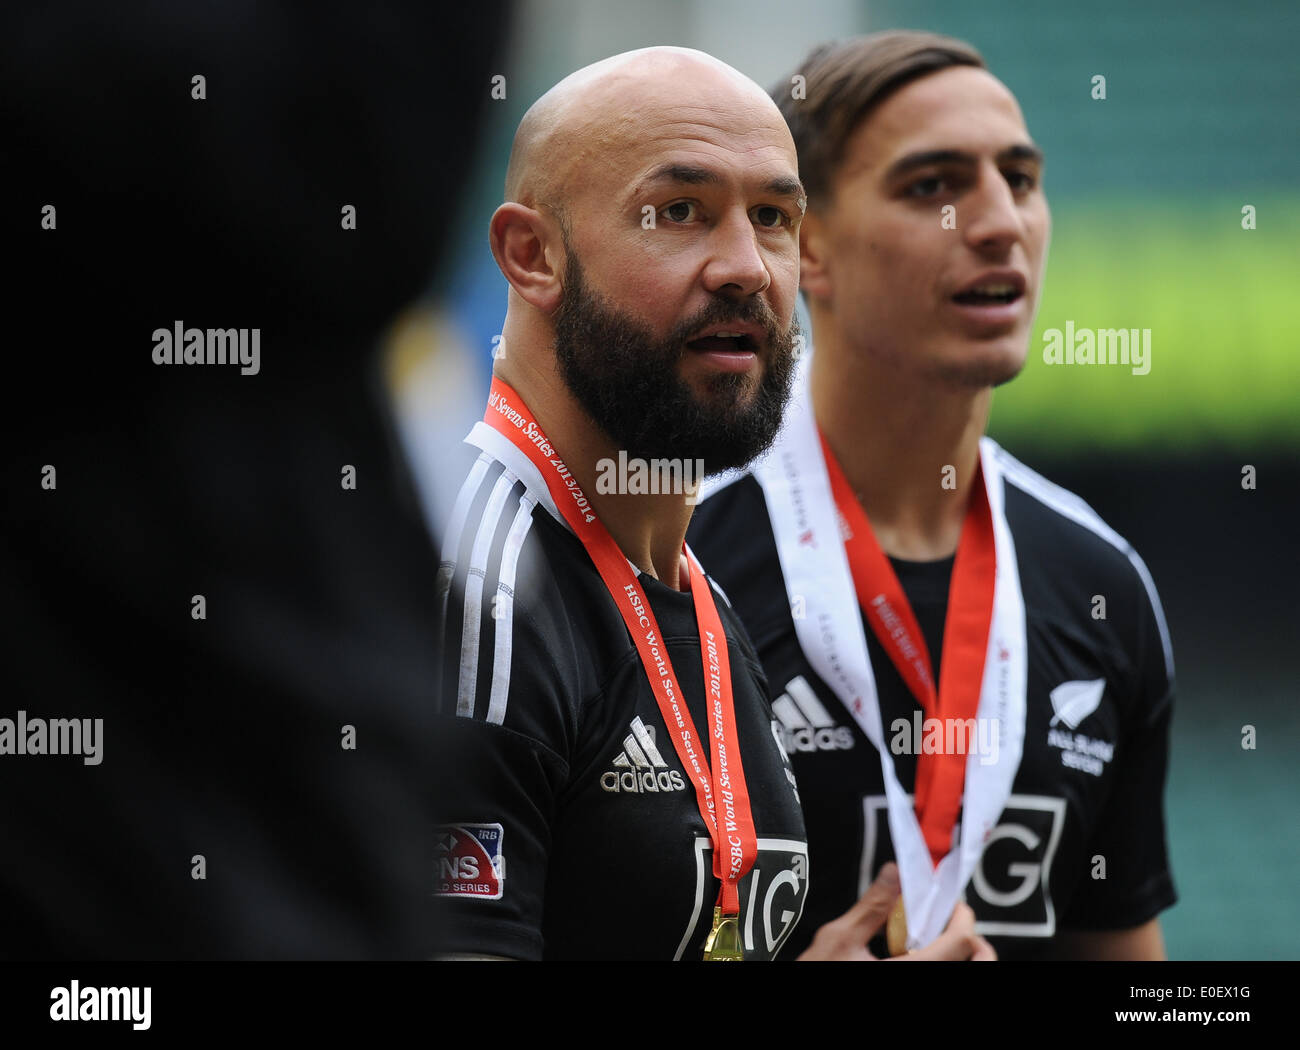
x=832, y=634
x=720, y=784
x=940, y=778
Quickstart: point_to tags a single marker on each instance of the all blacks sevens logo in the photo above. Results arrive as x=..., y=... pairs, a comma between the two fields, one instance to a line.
x=1010, y=888
x=771, y=897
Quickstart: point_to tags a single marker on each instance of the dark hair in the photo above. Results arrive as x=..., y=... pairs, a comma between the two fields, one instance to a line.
x=844, y=81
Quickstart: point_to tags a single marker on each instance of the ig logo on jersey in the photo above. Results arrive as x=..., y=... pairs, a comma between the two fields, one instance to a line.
x=771, y=896
x=1010, y=888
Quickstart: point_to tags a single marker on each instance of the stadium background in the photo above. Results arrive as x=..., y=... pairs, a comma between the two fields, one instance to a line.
x=1147, y=188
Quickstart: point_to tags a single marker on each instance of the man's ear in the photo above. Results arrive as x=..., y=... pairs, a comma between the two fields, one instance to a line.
x=528, y=248
x=814, y=261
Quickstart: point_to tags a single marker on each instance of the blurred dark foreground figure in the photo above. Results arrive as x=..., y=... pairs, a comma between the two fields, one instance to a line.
x=278, y=745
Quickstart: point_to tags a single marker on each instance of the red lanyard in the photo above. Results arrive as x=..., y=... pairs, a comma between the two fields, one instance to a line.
x=735, y=844
x=941, y=777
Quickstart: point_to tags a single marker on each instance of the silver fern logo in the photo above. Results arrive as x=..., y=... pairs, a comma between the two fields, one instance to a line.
x=1075, y=701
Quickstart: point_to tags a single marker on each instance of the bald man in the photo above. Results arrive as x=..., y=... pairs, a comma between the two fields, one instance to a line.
x=615, y=782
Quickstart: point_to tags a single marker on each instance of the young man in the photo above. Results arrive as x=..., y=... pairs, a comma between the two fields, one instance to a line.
x=613, y=779
x=972, y=670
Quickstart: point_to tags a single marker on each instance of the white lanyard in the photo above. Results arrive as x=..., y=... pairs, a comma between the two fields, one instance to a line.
x=831, y=633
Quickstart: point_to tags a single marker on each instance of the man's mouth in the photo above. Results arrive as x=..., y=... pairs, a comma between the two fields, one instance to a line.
x=726, y=342
x=992, y=294
x=725, y=349
x=993, y=302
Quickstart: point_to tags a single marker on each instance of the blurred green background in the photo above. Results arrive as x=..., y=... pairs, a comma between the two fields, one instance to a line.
x=1220, y=302
x=1201, y=117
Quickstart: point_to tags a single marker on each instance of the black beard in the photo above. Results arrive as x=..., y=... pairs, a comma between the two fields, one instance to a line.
x=628, y=381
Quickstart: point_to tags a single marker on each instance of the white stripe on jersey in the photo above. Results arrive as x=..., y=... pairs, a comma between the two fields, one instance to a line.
x=505, y=618
x=470, y=631
x=502, y=449
x=718, y=587
x=1066, y=503
x=456, y=527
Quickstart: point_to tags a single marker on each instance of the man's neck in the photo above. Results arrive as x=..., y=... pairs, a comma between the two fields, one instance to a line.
x=908, y=449
x=649, y=529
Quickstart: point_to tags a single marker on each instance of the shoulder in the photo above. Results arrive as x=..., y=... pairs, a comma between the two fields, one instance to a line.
x=1041, y=512
x=506, y=579
x=1063, y=545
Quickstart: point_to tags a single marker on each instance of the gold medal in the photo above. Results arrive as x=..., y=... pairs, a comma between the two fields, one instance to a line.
x=723, y=944
x=896, y=929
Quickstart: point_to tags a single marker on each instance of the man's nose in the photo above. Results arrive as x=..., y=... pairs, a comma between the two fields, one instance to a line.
x=735, y=264
x=993, y=219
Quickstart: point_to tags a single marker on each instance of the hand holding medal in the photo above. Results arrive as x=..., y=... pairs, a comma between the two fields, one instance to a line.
x=845, y=939
x=896, y=929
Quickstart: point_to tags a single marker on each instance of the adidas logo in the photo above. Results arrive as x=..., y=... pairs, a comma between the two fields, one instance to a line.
x=806, y=725
x=639, y=767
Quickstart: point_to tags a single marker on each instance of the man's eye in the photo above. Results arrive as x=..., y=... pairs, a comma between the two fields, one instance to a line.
x=769, y=215
x=926, y=187
x=1021, y=180
x=682, y=211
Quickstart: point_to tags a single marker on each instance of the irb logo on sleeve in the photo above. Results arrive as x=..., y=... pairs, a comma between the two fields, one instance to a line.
x=470, y=861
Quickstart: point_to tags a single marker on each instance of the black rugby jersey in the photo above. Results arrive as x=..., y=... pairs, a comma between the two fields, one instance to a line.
x=572, y=830
x=1086, y=801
